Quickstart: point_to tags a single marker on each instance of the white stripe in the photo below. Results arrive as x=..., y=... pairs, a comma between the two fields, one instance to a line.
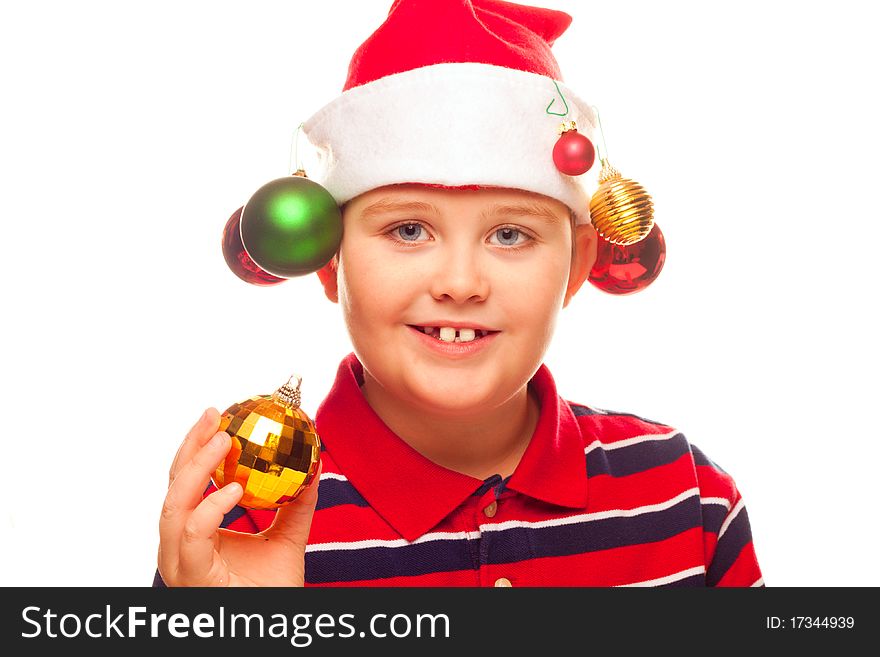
x=589, y=517
x=391, y=543
x=758, y=582
x=631, y=441
x=333, y=475
x=723, y=501
x=696, y=570
x=730, y=517
x=593, y=445
x=501, y=526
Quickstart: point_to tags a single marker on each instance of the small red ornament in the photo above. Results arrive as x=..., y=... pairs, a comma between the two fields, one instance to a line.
x=238, y=259
x=627, y=269
x=573, y=153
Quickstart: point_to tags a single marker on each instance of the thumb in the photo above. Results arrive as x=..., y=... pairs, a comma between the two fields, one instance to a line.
x=293, y=521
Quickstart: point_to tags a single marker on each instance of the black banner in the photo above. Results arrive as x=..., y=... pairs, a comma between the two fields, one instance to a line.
x=434, y=621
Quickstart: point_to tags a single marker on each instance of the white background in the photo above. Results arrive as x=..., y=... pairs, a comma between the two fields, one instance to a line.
x=132, y=130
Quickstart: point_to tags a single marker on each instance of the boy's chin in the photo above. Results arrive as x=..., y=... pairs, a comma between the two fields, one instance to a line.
x=463, y=401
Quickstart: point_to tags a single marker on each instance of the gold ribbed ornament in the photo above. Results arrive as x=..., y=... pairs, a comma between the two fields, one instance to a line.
x=621, y=210
x=275, y=448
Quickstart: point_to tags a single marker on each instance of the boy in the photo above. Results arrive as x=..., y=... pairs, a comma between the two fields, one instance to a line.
x=449, y=457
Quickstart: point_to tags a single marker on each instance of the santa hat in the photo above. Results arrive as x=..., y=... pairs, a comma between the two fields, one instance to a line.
x=453, y=93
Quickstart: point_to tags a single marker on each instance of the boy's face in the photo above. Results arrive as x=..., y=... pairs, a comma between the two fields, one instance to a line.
x=414, y=257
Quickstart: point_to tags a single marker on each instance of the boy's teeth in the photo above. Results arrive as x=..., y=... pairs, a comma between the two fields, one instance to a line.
x=448, y=334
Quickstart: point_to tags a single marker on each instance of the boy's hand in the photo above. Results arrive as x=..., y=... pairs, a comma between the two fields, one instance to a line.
x=195, y=551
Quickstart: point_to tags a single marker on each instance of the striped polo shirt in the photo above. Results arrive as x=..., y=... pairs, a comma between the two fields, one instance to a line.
x=598, y=499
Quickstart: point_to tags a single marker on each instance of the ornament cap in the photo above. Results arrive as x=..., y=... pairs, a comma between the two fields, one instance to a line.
x=289, y=395
x=608, y=172
x=566, y=126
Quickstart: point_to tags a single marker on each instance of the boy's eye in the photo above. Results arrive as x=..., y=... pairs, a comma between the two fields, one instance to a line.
x=409, y=232
x=508, y=236
x=415, y=232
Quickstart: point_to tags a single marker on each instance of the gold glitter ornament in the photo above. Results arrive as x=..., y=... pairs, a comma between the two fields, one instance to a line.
x=621, y=210
x=275, y=448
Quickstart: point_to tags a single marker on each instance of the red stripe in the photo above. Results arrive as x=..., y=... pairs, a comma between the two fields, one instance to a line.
x=714, y=483
x=243, y=524
x=613, y=428
x=744, y=571
x=653, y=486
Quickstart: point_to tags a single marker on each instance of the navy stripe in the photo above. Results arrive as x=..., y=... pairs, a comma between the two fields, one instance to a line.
x=737, y=536
x=521, y=543
x=636, y=458
x=507, y=546
x=379, y=562
x=693, y=580
x=236, y=513
x=488, y=484
x=701, y=459
x=586, y=410
x=713, y=517
x=335, y=492
x=580, y=410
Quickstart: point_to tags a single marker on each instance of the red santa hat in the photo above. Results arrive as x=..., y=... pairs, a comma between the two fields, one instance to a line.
x=453, y=93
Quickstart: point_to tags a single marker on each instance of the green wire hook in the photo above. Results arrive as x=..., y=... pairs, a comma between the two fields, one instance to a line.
x=554, y=100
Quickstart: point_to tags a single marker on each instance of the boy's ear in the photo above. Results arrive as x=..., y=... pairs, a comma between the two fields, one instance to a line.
x=327, y=274
x=586, y=242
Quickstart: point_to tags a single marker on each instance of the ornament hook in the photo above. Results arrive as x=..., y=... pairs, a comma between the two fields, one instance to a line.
x=294, y=154
x=554, y=100
x=603, y=155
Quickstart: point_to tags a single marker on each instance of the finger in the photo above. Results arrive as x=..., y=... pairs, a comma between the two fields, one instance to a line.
x=186, y=493
x=201, y=432
x=200, y=564
x=293, y=521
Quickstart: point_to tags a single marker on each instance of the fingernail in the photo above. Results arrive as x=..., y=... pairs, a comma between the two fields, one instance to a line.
x=219, y=439
x=232, y=489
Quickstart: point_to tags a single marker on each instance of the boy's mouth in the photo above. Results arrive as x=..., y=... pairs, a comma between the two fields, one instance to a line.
x=453, y=334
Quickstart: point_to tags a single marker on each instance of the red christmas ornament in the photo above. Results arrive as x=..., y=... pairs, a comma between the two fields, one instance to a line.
x=238, y=259
x=627, y=269
x=573, y=153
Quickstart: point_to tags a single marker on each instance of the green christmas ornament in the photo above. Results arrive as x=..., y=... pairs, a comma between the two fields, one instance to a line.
x=291, y=226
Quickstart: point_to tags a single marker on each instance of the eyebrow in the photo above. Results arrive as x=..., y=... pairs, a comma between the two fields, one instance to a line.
x=536, y=210
x=384, y=205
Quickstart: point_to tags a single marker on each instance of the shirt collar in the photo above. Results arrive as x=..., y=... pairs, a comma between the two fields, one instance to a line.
x=412, y=493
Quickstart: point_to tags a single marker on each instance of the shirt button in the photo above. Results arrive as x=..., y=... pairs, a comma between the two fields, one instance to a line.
x=503, y=581
x=491, y=509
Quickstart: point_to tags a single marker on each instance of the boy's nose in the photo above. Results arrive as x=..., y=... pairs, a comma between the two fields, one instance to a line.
x=459, y=277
